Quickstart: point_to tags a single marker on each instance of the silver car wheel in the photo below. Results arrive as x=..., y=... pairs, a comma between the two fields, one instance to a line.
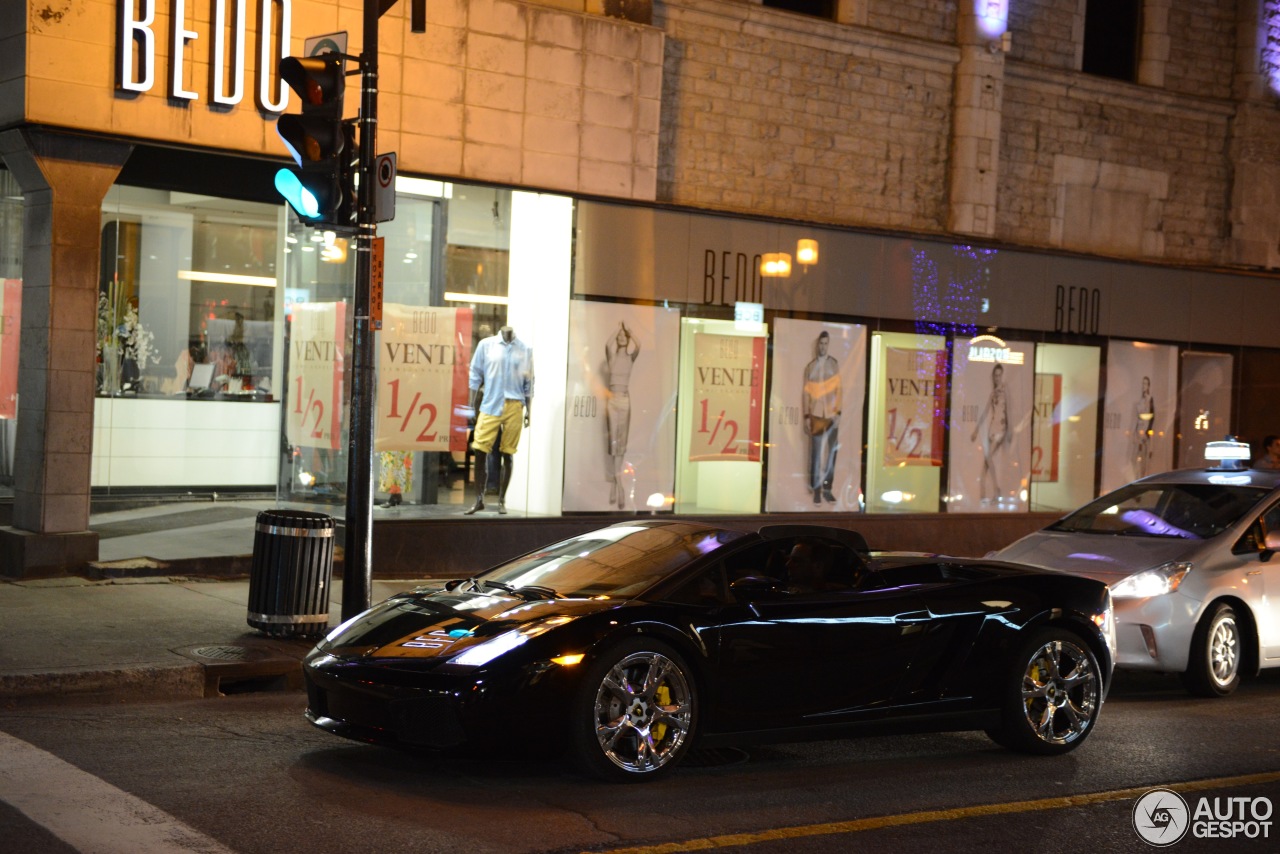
x=1060, y=692
x=643, y=712
x=1224, y=651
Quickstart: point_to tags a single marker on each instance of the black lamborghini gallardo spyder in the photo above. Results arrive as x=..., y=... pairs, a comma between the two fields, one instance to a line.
x=627, y=645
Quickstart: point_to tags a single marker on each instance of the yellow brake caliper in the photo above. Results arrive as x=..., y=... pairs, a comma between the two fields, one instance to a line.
x=663, y=696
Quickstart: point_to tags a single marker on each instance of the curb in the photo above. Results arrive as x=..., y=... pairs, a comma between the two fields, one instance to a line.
x=146, y=682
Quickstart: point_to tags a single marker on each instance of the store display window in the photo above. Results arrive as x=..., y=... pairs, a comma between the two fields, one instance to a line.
x=906, y=424
x=1064, y=427
x=1204, y=404
x=989, y=455
x=720, y=420
x=1139, y=411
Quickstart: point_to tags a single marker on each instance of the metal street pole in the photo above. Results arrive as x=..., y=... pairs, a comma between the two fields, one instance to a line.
x=357, y=574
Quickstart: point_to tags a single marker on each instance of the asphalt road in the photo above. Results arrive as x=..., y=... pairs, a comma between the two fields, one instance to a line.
x=248, y=774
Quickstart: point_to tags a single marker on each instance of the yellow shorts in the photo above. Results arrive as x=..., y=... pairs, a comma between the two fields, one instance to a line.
x=511, y=420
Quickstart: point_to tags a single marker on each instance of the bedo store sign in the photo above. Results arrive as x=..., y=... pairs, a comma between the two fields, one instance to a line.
x=228, y=41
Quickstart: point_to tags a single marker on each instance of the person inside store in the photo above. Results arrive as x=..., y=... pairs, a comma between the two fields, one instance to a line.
x=501, y=383
x=1269, y=459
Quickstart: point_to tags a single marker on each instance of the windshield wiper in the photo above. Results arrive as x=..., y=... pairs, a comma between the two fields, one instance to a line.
x=536, y=591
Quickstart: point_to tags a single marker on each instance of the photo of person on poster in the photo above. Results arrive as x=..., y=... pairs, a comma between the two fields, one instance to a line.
x=996, y=438
x=808, y=425
x=1143, y=429
x=619, y=417
x=822, y=399
x=620, y=354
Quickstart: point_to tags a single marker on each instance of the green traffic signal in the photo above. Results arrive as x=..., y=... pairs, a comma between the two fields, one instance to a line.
x=322, y=189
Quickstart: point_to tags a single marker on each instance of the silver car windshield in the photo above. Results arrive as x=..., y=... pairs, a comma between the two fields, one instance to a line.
x=1193, y=511
x=620, y=561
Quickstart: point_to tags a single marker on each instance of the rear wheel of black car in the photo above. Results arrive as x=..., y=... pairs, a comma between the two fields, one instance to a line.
x=634, y=712
x=1051, y=696
x=1213, y=670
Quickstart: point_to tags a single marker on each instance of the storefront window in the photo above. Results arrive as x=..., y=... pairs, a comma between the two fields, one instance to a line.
x=989, y=455
x=1064, y=427
x=905, y=432
x=460, y=263
x=10, y=321
x=720, y=440
x=1138, y=418
x=1204, y=406
x=188, y=357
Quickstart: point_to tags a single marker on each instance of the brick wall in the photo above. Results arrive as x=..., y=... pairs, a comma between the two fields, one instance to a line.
x=795, y=117
x=1045, y=32
x=1201, y=48
x=922, y=19
x=1047, y=114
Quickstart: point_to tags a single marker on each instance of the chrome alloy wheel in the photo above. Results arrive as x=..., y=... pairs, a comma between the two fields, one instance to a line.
x=643, y=712
x=1224, y=651
x=1060, y=691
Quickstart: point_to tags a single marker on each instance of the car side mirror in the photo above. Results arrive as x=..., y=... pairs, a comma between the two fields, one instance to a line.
x=756, y=587
x=1270, y=545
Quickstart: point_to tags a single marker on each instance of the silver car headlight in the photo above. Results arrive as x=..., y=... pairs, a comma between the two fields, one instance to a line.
x=1152, y=582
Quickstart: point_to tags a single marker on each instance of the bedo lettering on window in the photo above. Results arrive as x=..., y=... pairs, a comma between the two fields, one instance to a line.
x=136, y=49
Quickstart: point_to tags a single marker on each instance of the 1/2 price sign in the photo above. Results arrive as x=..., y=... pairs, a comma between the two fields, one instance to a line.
x=314, y=412
x=915, y=391
x=424, y=354
x=728, y=386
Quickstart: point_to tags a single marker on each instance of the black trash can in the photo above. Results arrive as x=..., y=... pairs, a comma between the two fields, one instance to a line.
x=290, y=575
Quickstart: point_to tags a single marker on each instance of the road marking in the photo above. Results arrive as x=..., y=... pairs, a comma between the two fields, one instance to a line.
x=862, y=824
x=87, y=813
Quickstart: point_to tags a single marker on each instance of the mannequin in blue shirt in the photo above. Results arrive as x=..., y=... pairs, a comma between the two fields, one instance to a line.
x=501, y=385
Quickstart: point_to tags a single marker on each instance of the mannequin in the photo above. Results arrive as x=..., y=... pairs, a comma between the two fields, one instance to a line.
x=501, y=385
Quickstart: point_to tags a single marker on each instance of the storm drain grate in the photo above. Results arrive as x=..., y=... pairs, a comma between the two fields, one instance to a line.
x=235, y=669
x=223, y=653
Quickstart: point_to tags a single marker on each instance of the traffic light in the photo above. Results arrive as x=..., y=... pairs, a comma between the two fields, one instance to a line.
x=322, y=189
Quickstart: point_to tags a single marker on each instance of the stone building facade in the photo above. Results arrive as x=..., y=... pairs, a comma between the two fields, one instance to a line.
x=960, y=120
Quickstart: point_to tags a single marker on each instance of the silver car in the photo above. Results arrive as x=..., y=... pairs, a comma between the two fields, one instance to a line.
x=1189, y=559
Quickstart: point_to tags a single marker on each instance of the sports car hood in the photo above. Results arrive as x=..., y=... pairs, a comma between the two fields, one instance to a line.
x=441, y=625
x=1105, y=557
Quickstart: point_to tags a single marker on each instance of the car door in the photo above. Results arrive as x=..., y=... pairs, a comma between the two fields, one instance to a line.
x=1266, y=568
x=810, y=658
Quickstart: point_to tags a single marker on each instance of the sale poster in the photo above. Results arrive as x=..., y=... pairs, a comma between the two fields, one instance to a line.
x=620, y=403
x=423, y=357
x=10, y=320
x=1046, y=428
x=915, y=391
x=816, y=400
x=991, y=404
x=728, y=385
x=316, y=366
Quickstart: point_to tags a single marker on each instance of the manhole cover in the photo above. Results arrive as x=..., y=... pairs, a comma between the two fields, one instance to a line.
x=222, y=653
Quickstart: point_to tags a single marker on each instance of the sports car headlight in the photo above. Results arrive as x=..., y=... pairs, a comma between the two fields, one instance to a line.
x=1152, y=582
x=482, y=653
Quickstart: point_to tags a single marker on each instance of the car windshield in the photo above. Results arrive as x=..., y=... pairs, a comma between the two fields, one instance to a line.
x=1193, y=511
x=615, y=562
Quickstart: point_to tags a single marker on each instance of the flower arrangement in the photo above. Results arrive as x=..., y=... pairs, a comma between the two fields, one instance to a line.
x=120, y=335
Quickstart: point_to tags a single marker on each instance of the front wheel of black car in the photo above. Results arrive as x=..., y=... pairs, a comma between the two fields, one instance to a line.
x=1213, y=670
x=634, y=712
x=1051, y=696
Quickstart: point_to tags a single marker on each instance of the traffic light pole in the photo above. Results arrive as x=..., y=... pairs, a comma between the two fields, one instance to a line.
x=357, y=576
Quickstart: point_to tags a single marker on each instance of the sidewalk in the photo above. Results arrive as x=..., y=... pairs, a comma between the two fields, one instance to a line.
x=137, y=639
